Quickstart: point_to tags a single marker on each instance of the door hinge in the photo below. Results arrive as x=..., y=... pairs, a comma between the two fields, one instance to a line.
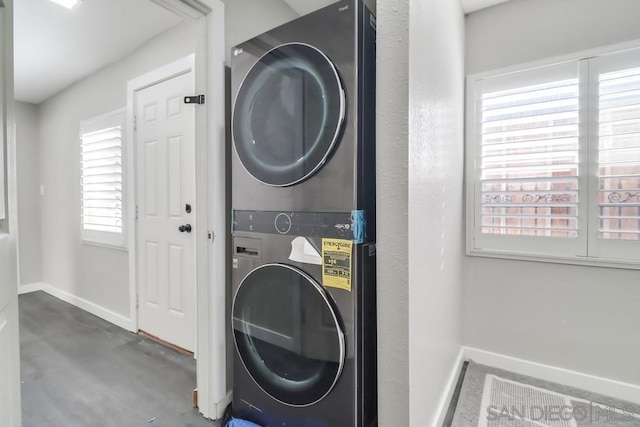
x=210, y=235
x=135, y=122
x=136, y=212
x=137, y=301
x=198, y=99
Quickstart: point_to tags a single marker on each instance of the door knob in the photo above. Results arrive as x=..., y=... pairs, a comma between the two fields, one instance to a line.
x=185, y=228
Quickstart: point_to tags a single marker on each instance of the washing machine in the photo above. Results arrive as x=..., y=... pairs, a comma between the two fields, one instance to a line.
x=305, y=351
x=303, y=114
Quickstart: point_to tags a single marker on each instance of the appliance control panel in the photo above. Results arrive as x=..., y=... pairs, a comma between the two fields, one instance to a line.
x=309, y=224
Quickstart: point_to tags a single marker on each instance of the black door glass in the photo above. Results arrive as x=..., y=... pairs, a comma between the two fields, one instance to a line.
x=283, y=336
x=288, y=114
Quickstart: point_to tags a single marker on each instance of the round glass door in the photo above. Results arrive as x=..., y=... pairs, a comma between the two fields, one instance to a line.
x=287, y=334
x=288, y=114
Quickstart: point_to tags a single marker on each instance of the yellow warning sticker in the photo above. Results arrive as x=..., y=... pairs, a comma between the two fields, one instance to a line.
x=336, y=263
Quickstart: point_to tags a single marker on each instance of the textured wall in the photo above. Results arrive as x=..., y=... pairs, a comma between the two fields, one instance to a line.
x=393, y=211
x=436, y=105
x=420, y=127
x=580, y=318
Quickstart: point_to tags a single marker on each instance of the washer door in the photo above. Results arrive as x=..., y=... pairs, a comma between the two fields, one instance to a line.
x=288, y=114
x=287, y=334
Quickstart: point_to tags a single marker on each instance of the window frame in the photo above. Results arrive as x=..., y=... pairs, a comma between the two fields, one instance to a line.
x=93, y=124
x=604, y=247
x=3, y=168
x=592, y=251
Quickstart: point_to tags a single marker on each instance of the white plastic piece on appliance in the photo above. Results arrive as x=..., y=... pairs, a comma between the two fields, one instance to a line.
x=303, y=251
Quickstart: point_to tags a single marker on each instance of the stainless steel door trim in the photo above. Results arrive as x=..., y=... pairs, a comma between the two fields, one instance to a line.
x=338, y=328
x=336, y=135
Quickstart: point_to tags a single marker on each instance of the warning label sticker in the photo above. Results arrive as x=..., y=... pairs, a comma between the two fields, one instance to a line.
x=336, y=263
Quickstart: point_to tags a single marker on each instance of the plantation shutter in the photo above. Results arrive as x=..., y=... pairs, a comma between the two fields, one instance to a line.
x=102, y=198
x=554, y=161
x=618, y=156
x=528, y=185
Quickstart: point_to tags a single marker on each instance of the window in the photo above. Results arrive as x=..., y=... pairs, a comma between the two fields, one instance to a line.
x=554, y=161
x=101, y=161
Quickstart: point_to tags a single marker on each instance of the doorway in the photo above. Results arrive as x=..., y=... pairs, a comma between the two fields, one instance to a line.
x=107, y=292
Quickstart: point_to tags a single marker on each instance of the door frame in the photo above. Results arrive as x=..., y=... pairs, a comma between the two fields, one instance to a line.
x=208, y=64
x=9, y=224
x=214, y=389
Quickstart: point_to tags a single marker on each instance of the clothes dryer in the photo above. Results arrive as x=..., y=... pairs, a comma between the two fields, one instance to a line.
x=303, y=119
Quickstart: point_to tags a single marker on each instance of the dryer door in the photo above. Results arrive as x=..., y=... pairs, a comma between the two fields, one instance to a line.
x=288, y=114
x=287, y=334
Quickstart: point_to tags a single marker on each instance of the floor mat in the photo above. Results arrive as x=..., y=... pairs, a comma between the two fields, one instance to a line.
x=493, y=397
x=511, y=399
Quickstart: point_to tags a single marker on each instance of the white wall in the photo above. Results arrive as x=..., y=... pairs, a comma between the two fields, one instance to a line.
x=520, y=31
x=580, y=318
x=96, y=274
x=28, y=182
x=436, y=105
x=420, y=254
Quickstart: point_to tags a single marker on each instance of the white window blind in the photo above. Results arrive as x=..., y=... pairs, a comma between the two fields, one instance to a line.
x=530, y=160
x=619, y=155
x=554, y=161
x=102, y=197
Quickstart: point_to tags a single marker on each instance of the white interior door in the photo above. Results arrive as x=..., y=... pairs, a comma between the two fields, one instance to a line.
x=165, y=179
x=9, y=343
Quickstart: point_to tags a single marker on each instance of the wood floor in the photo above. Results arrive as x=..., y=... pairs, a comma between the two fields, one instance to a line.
x=80, y=371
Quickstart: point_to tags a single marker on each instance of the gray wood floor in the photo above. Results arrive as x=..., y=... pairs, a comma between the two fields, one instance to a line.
x=78, y=370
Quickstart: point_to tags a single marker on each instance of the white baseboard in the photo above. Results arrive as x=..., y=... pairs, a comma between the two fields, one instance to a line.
x=31, y=287
x=445, y=400
x=592, y=383
x=96, y=310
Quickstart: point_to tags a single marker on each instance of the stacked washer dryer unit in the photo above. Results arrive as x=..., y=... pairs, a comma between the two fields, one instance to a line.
x=303, y=315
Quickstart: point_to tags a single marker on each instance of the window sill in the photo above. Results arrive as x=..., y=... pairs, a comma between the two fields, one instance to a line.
x=580, y=261
x=105, y=245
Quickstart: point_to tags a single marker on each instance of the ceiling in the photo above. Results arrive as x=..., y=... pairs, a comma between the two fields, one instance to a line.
x=55, y=47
